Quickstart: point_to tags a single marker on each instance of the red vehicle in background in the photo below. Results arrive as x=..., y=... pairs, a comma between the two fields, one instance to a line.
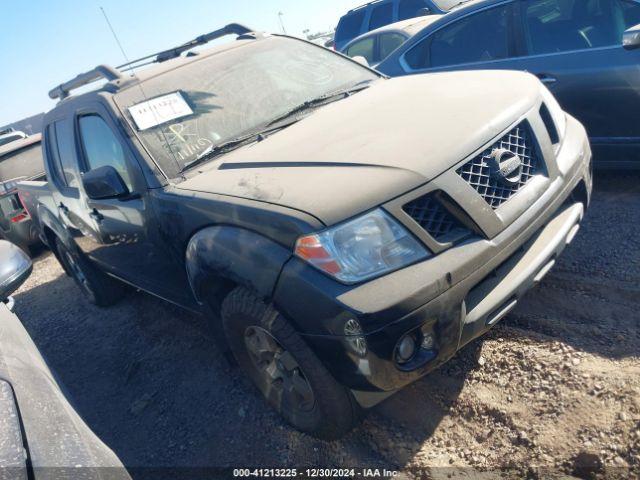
x=20, y=160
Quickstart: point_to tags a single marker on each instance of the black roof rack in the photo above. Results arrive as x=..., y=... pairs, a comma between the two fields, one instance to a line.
x=109, y=73
x=101, y=71
x=163, y=56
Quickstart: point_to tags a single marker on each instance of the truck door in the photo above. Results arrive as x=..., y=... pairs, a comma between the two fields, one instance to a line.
x=118, y=234
x=126, y=239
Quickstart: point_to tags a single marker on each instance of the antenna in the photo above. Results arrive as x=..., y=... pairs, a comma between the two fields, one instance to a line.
x=113, y=32
x=280, y=15
x=133, y=74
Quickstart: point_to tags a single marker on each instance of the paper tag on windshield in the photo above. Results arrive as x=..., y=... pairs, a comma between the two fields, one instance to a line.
x=160, y=110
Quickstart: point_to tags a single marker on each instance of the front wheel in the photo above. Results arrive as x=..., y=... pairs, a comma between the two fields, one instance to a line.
x=97, y=287
x=285, y=370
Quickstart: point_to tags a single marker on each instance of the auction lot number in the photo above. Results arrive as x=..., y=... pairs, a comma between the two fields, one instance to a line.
x=312, y=473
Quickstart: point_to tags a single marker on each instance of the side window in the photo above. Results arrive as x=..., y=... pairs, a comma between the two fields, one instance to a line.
x=389, y=42
x=410, y=9
x=101, y=147
x=630, y=13
x=350, y=26
x=54, y=158
x=364, y=48
x=554, y=26
x=481, y=37
x=63, y=152
x=381, y=15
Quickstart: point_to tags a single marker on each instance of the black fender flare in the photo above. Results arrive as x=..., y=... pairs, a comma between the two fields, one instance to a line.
x=49, y=221
x=231, y=254
x=51, y=229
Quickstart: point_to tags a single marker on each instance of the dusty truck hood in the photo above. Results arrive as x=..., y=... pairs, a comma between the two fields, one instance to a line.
x=359, y=152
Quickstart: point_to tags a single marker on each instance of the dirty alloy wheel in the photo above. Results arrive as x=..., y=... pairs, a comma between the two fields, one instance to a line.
x=79, y=277
x=97, y=287
x=285, y=370
x=279, y=368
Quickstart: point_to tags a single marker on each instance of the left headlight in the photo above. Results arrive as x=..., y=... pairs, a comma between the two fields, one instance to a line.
x=360, y=249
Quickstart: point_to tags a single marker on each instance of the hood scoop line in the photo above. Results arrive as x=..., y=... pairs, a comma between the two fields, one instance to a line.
x=247, y=165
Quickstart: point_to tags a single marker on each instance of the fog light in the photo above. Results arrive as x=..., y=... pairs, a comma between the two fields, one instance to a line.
x=406, y=349
x=354, y=337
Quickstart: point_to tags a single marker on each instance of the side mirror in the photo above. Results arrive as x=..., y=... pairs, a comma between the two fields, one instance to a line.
x=423, y=12
x=15, y=268
x=104, y=182
x=631, y=38
x=361, y=60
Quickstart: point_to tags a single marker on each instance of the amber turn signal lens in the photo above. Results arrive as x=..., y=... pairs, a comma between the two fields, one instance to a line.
x=310, y=249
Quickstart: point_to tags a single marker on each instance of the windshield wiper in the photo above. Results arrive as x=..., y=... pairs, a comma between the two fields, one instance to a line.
x=282, y=121
x=220, y=149
x=322, y=100
x=216, y=150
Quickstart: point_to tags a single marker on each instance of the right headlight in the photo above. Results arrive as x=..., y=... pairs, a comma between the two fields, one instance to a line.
x=360, y=249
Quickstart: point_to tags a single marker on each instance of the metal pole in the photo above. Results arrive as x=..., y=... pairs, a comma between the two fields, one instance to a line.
x=280, y=15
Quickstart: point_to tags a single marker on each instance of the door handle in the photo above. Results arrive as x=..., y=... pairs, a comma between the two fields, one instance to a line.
x=96, y=215
x=547, y=79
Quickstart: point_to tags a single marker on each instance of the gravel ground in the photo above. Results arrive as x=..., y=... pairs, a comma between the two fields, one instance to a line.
x=553, y=389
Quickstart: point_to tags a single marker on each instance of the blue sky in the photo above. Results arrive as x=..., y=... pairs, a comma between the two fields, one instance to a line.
x=45, y=42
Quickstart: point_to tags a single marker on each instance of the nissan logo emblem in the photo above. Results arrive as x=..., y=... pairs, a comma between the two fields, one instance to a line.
x=506, y=167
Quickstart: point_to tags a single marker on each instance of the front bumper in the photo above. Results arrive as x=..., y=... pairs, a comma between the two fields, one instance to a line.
x=458, y=294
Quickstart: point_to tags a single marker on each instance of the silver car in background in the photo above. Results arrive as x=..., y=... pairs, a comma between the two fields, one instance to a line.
x=41, y=435
x=376, y=45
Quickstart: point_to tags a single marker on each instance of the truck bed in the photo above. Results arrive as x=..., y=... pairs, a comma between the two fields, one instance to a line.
x=36, y=195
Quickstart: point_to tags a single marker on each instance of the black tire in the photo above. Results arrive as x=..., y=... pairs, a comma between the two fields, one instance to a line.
x=333, y=411
x=97, y=287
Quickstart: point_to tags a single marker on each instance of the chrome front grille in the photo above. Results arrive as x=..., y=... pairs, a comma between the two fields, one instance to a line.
x=479, y=174
x=436, y=220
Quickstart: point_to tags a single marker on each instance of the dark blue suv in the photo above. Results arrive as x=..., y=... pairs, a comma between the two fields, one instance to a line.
x=384, y=12
x=574, y=46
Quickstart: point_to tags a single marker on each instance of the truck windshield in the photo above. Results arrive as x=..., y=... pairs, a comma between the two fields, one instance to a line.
x=221, y=97
x=24, y=163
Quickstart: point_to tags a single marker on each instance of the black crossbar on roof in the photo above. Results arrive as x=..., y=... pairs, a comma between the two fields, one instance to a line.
x=231, y=29
x=101, y=71
x=109, y=73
